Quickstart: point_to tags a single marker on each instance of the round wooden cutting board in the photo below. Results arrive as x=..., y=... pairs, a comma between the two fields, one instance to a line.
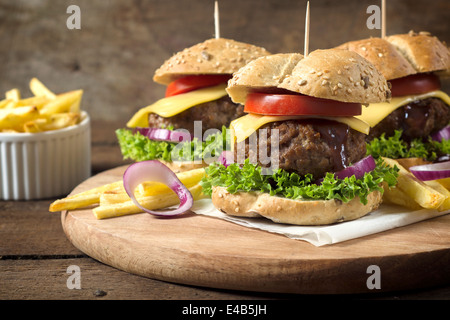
x=203, y=251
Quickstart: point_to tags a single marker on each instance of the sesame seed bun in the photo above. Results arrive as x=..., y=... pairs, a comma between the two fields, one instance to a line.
x=383, y=55
x=424, y=51
x=334, y=74
x=296, y=212
x=213, y=56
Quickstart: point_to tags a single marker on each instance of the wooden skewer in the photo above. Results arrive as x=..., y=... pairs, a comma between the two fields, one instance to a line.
x=216, y=19
x=306, y=47
x=383, y=18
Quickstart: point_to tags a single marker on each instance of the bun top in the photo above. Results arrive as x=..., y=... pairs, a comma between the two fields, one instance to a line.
x=423, y=51
x=333, y=74
x=383, y=55
x=213, y=56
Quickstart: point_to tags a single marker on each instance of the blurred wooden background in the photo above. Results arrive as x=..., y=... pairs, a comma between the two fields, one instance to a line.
x=121, y=43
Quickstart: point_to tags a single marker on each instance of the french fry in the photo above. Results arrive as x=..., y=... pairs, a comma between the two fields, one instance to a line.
x=436, y=185
x=13, y=94
x=111, y=197
x=13, y=119
x=396, y=196
x=150, y=202
x=65, y=102
x=445, y=182
x=11, y=104
x=73, y=203
x=38, y=101
x=86, y=198
x=4, y=103
x=44, y=111
x=39, y=89
x=188, y=178
x=419, y=191
x=35, y=125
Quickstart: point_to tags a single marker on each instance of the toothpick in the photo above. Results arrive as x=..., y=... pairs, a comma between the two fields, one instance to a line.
x=216, y=19
x=306, y=48
x=383, y=18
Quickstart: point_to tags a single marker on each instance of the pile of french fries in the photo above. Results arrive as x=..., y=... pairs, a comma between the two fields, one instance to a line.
x=44, y=111
x=111, y=200
x=416, y=194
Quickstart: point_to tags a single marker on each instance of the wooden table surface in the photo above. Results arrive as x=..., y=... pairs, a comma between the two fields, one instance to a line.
x=35, y=255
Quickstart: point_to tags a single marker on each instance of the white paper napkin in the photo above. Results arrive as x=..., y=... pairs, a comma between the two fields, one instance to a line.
x=385, y=218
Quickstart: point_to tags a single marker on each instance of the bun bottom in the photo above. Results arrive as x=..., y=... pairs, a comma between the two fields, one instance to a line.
x=282, y=210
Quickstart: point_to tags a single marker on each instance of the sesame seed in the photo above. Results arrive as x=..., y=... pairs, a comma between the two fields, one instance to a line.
x=324, y=82
x=340, y=86
x=380, y=55
x=302, y=82
x=349, y=90
x=237, y=209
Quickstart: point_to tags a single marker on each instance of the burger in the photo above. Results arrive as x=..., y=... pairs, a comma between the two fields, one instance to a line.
x=195, y=107
x=412, y=124
x=322, y=174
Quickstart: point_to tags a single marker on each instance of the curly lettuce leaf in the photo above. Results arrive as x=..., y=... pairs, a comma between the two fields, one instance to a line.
x=249, y=177
x=395, y=147
x=137, y=147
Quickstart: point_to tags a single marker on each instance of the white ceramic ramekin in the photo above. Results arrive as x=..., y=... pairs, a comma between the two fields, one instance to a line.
x=45, y=164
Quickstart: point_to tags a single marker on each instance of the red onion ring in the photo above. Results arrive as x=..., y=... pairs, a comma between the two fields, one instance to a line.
x=442, y=134
x=358, y=169
x=164, y=134
x=153, y=170
x=433, y=171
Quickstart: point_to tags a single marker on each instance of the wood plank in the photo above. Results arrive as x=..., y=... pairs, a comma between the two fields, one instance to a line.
x=29, y=229
x=47, y=280
x=204, y=251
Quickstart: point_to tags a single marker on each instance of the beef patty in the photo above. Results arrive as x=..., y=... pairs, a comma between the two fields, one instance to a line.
x=212, y=114
x=417, y=119
x=306, y=146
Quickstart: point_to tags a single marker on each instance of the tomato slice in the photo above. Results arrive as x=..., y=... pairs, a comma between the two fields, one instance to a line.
x=415, y=84
x=189, y=83
x=293, y=104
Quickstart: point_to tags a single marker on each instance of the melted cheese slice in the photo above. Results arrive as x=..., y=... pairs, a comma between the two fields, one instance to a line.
x=243, y=127
x=376, y=112
x=170, y=106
